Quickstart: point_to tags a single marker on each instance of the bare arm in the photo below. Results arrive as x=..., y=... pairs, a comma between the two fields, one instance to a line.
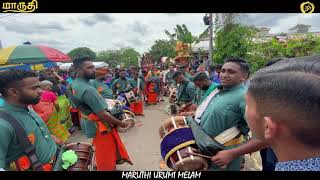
x=98, y=105
x=251, y=146
x=59, y=77
x=107, y=117
x=223, y=158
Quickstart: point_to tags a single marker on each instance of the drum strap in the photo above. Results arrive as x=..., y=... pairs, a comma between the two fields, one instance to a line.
x=23, y=141
x=138, y=85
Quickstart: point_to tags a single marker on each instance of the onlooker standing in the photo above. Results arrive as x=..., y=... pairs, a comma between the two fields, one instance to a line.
x=283, y=110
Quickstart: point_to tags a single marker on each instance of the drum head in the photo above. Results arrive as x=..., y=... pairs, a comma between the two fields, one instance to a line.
x=187, y=162
x=128, y=117
x=111, y=103
x=168, y=125
x=194, y=163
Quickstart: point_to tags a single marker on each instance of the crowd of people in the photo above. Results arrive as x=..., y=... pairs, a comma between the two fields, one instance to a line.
x=279, y=104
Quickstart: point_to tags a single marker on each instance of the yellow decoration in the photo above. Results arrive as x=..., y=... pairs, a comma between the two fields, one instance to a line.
x=37, y=67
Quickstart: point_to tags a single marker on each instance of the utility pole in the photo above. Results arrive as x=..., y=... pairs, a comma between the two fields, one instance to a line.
x=0, y=45
x=210, y=38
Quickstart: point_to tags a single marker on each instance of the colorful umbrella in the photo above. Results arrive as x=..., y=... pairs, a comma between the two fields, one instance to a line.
x=31, y=54
x=29, y=67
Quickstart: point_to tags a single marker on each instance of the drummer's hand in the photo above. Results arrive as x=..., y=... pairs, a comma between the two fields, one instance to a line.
x=123, y=124
x=223, y=158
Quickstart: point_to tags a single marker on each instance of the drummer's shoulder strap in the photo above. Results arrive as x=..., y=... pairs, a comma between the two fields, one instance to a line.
x=23, y=140
x=138, y=84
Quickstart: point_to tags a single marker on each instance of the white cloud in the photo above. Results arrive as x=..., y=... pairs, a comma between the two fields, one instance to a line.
x=111, y=31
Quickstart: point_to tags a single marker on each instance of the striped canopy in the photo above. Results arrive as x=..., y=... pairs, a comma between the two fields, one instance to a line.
x=31, y=54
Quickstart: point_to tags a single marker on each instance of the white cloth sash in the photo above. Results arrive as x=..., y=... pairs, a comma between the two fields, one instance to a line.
x=203, y=106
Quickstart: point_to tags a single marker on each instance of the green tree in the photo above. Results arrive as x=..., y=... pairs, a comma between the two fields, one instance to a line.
x=270, y=49
x=112, y=57
x=234, y=40
x=305, y=46
x=162, y=48
x=82, y=51
x=128, y=56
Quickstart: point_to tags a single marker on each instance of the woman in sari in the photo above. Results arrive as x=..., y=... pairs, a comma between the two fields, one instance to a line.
x=48, y=109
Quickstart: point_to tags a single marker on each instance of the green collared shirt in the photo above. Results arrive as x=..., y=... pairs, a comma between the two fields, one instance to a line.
x=134, y=84
x=208, y=91
x=188, y=76
x=186, y=92
x=88, y=100
x=198, y=96
x=226, y=109
x=169, y=78
x=1, y=102
x=121, y=85
x=102, y=88
x=36, y=130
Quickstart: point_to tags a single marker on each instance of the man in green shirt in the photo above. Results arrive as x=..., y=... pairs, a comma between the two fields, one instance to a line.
x=168, y=75
x=198, y=96
x=134, y=83
x=20, y=89
x=186, y=92
x=224, y=109
x=100, y=85
x=138, y=69
x=202, y=81
x=138, y=89
x=184, y=69
x=204, y=88
x=122, y=84
x=97, y=122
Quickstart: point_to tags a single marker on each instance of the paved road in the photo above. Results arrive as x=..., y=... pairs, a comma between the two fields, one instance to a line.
x=143, y=142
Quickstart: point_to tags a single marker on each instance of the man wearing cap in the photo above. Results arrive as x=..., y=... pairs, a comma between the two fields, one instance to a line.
x=186, y=92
